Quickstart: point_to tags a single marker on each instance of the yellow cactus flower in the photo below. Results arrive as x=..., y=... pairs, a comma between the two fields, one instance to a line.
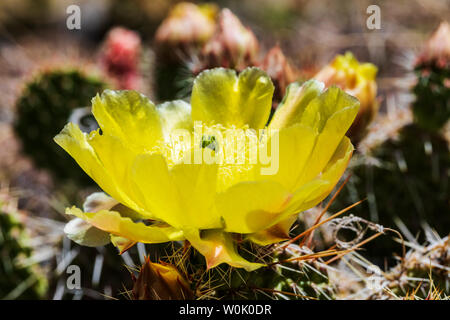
x=203, y=192
x=357, y=79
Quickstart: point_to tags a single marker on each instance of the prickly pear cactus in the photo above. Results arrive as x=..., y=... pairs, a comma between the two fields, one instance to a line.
x=19, y=280
x=398, y=176
x=428, y=264
x=405, y=174
x=432, y=89
x=175, y=81
x=284, y=277
x=422, y=273
x=43, y=108
x=405, y=180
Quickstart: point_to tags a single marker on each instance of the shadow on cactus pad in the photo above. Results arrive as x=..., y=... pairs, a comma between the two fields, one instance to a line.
x=406, y=183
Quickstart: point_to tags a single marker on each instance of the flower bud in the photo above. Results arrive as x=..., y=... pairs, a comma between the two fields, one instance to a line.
x=279, y=70
x=160, y=281
x=120, y=57
x=232, y=46
x=187, y=27
x=431, y=107
x=436, y=51
x=357, y=79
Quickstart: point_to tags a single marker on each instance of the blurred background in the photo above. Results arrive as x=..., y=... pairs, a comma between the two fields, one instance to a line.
x=36, y=185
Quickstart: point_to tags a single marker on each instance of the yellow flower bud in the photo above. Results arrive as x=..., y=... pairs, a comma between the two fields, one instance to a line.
x=358, y=80
x=160, y=281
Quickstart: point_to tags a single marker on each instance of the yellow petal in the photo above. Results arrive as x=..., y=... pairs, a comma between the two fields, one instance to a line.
x=331, y=115
x=333, y=171
x=290, y=158
x=302, y=197
x=113, y=222
x=249, y=207
x=308, y=195
x=121, y=243
x=220, y=97
x=182, y=196
x=174, y=115
x=276, y=233
x=196, y=189
x=218, y=247
x=268, y=226
x=129, y=116
x=294, y=103
x=76, y=144
x=152, y=183
x=117, y=159
x=320, y=110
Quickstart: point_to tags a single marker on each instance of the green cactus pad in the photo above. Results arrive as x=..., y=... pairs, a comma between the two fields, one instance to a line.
x=432, y=90
x=44, y=108
x=17, y=280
